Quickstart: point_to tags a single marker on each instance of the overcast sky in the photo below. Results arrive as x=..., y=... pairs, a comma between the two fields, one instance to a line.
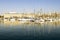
x=29, y=5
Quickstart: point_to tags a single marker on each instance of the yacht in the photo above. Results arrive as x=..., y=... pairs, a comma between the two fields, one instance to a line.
x=48, y=20
x=39, y=21
x=24, y=20
x=12, y=20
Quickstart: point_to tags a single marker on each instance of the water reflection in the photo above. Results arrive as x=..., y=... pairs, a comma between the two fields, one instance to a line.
x=57, y=23
x=48, y=25
x=29, y=30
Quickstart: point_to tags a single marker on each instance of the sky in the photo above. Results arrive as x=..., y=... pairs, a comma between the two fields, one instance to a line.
x=29, y=5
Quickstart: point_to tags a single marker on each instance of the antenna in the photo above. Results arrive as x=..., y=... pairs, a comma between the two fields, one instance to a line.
x=34, y=11
x=24, y=11
x=40, y=11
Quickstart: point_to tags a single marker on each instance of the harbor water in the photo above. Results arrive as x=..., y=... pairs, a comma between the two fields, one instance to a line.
x=46, y=31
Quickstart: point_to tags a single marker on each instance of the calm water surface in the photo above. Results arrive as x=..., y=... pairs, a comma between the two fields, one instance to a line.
x=30, y=31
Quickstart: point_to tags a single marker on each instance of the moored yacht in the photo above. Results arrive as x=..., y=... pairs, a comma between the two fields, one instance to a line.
x=49, y=20
x=39, y=21
x=24, y=20
x=12, y=20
